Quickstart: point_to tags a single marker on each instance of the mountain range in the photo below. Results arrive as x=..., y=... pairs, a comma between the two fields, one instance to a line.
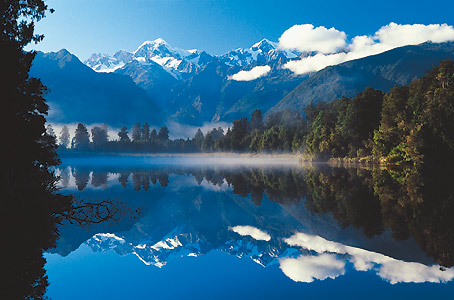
x=157, y=82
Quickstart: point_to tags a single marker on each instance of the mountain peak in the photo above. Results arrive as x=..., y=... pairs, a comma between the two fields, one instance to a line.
x=264, y=43
x=159, y=41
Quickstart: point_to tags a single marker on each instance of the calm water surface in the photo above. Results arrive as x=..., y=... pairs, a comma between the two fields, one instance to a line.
x=201, y=227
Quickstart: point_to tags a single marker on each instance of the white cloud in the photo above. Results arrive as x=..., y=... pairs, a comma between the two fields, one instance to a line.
x=253, y=232
x=308, y=268
x=396, y=271
x=252, y=74
x=386, y=267
x=386, y=38
x=314, y=63
x=307, y=38
x=399, y=35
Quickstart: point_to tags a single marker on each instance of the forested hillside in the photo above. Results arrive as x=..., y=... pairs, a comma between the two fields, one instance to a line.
x=409, y=125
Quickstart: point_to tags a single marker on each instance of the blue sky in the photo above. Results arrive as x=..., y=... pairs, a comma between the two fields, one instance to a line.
x=87, y=26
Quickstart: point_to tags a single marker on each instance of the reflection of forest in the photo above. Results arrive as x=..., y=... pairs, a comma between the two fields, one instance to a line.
x=409, y=202
x=30, y=223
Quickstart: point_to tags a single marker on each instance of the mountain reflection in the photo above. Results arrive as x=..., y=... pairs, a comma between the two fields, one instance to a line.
x=192, y=210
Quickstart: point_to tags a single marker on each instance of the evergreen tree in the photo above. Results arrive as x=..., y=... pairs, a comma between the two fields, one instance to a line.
x=163, y=134
x=50, y=131
x=227, y=141
x=153, y=136
x=240, y=131
x=123, y=135
x=81, y=137
x=29, y=192
x=145, y=132
x=136, y=133
x=257, y=120
x=208, y=143
x=198, y=139
x=99, y=136
x=198, y=135
x=64, y=137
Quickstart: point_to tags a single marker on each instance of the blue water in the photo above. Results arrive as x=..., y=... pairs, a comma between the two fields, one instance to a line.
x=198, y=236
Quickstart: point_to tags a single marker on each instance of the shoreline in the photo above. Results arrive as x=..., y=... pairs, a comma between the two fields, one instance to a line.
x=167, y=154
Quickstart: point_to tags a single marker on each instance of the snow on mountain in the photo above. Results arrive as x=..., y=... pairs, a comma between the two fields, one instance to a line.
x=103, y=63
x=180, y=63
x=175, y=61
x=175, y=244
x=179, y=243
x=261, y=52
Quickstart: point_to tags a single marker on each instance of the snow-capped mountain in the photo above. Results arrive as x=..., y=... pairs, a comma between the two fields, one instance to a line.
x=179, y=243
x=103, y=63
x=262, y=52
x=175, y=244
x=179, y=62
x=184, y=81
x=175, y=61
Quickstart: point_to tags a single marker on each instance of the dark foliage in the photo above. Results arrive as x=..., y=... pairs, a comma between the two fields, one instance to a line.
x=31, y=208
x=407, y=201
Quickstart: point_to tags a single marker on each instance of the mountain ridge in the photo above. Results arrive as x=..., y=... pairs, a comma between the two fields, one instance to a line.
x=79, y=94
x=382, y=71
x=204, y=92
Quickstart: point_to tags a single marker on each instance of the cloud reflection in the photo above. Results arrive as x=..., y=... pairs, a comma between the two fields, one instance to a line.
x=308, y=268
x=388, y=268
x=253, y=232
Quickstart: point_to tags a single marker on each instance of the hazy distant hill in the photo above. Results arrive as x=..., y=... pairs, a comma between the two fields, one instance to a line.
x=395, y=67
x=79, y=94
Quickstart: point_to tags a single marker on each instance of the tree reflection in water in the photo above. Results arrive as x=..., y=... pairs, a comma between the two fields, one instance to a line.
x=410, y=202
x=30, y=223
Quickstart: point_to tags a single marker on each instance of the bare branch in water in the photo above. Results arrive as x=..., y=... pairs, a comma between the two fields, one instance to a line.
x=88, y=212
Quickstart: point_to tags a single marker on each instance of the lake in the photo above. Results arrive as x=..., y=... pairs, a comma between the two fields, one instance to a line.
x=249, y=227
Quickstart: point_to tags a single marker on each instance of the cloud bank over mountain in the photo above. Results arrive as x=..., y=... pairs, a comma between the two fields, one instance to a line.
x=325, y=42
x=307, y=38
x=252, y=74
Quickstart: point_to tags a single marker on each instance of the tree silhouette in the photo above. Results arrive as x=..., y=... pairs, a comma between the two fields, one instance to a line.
x=31, y=208
x=99, y=136
x=239, y=135
x=81, y=137
x=145, y=134
x=257, y=120
x=153, y=136
x=64, y=137
x=163, y=134
x=50, y=131
x=136, y=133
x=123, y=135
x=28, y=187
